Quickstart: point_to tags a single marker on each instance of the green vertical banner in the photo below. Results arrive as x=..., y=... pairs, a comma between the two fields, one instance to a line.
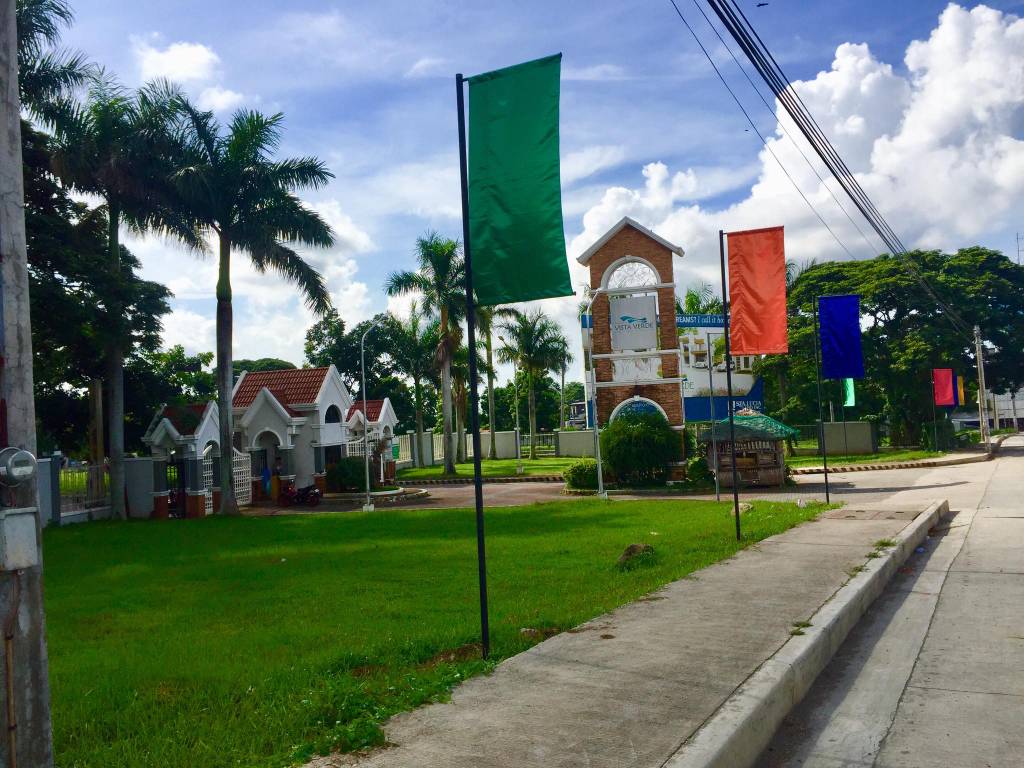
x=515, y=193
x=849, y=394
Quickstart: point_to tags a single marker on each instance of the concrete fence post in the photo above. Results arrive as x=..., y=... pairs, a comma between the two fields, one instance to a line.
x=55, y=463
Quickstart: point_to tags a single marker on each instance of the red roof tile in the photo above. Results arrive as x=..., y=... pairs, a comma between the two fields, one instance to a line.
x=184, y=418
x=373, y=407
x=298, y=386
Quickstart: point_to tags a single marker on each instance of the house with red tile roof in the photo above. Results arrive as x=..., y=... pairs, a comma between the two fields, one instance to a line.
x=292, y=421
x=183, y=430
x=379, y=413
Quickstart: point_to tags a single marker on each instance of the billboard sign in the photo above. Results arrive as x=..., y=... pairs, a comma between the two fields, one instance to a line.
x=699, y=321
x=633, y=322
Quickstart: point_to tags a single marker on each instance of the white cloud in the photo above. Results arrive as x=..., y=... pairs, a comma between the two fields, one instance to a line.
x=590, y=160
x=426, y=67
x=937, y=150
x=349, y=237
x=217, y=99
x=429, y=189
x=182, y=61
x=596, y=72
x=194, y=331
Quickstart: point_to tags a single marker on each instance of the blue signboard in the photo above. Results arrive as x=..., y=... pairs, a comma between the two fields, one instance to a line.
x=698, y=408
x=700, y=321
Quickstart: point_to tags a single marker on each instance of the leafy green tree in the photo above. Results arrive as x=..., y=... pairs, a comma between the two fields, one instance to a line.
x=228, y=183
x=532, y=343
x=157, y=377
x=700, y=299
x=440, y=280
x=261, y=364
x=413, y=353
x=110, y=146
x=904, y=333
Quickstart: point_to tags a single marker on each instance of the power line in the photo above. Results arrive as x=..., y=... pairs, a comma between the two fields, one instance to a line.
x=753, y=127
x=793, y=141
x=737, y=24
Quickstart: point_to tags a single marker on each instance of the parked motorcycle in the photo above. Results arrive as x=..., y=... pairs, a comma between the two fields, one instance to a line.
x=291, y=496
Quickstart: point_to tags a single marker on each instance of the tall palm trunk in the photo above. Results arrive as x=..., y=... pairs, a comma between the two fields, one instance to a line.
x=460, y=432
x=417, y=388
x=225, y=377
x=531, y=403
x=561, y=400
x=492, y=448
x=446, y=396
x=115, y=378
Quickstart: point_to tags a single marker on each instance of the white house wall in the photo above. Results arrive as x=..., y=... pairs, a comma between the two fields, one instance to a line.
x=265, y=417
x=302, y=456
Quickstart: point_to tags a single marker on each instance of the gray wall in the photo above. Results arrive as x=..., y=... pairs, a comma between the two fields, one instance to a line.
x=576, y=443
x=858, y=438
x=139, y=479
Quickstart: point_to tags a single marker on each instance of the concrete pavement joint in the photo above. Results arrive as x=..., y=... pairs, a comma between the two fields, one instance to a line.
x=735, y=735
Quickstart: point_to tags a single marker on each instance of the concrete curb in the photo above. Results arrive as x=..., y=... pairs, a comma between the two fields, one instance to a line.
x=736, y=734
x=469, y=480
x=976, y=459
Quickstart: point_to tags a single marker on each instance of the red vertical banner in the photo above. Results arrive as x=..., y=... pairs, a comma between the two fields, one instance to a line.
x=942, y=383
x=757, y=292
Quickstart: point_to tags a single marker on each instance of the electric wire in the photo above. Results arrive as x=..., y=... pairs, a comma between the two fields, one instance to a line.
x=796, y=145
x=739, y=27
x=754, y=127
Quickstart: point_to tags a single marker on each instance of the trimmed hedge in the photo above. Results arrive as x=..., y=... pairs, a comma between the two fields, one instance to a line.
x=638, y=447
x=349, y=474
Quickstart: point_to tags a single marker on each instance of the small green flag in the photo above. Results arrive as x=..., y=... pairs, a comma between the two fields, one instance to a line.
x=515, y=195
x=849, y=395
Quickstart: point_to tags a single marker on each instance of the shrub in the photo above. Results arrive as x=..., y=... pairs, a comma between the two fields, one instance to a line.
x=698, y=473
x=349, y=474
x=581, y=474
x=639, y=446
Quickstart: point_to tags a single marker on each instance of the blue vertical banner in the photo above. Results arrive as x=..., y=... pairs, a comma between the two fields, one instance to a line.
x=839, y=329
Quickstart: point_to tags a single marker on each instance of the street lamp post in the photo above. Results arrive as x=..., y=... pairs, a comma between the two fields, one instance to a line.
x=601, y=493
x=368, y=506
x=515, y=388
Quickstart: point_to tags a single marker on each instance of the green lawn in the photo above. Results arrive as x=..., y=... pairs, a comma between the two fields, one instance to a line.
x=902, y=455
x=260, y=641
x=492, y=468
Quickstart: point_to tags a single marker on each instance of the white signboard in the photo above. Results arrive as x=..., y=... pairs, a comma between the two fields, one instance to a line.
x=634, y=322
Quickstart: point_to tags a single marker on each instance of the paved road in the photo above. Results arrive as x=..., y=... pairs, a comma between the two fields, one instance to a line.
x=933, y=676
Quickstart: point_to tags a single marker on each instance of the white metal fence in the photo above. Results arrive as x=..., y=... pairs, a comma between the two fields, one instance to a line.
x=84, y=487
x=404, y=448
x=241, y=470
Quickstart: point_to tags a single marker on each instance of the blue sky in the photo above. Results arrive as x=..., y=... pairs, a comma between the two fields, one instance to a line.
x=368, y=87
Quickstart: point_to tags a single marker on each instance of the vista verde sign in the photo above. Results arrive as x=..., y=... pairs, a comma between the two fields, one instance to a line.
x=634, y=322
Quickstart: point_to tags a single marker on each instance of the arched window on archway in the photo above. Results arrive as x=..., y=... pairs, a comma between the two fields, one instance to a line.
x=631, y=272
x=637, y=405
x=333, y=415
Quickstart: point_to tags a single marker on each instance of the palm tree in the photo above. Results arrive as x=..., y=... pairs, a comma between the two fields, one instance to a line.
x=440, y=280
x=413, y=354
x=112, y=146
x=533, y=344
x=45, y=73
x=460, y=393
x=230, y=185
x=565, y=359
x=700, y=299
x=485, y=318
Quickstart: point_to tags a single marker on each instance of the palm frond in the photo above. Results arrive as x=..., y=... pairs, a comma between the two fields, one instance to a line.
x=271, y=255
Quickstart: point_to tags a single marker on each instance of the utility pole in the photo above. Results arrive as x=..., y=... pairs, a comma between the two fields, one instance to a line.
x=979, y=359
x=27, y=740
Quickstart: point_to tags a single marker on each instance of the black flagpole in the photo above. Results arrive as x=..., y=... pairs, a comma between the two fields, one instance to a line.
x=935, y=418
x=821, y=413
x=728, y=384
x=474, y=399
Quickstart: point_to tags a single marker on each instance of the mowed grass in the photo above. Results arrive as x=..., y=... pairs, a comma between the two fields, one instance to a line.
x=492, y=468
x=873, y=458
x=263, y=641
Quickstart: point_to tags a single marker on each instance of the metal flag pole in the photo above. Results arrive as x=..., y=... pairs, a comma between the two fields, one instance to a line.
x=474, y=416
x=935, y=423
x=821, y=412
x=728, y=384
x=711, y=414
x=601, y=493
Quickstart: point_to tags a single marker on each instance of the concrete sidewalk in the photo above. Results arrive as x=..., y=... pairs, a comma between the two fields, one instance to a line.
x=933, y=676
x=628, y=688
